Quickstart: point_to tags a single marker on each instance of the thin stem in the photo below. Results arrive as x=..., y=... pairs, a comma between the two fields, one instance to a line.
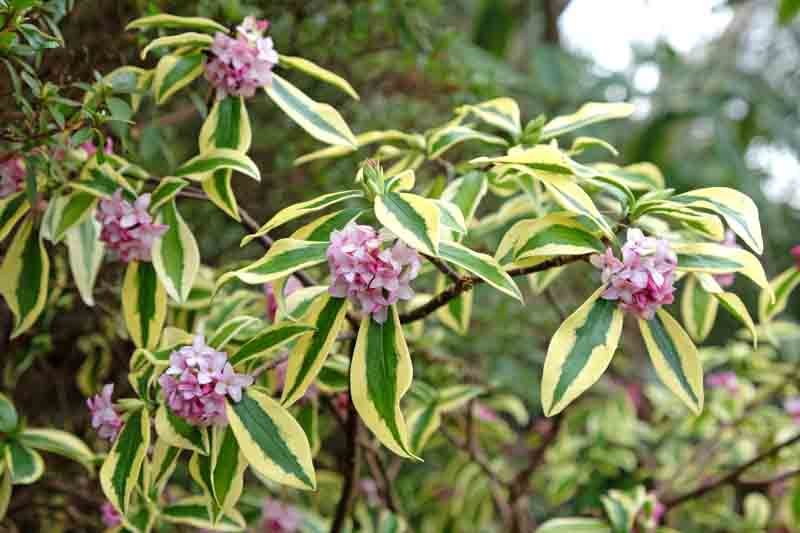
x=466, y=283
x=351, y=466
x=730, y=477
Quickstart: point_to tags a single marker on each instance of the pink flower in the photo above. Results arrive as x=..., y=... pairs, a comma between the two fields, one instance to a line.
x=12, y=177
x=485, y=413
x=792, y=408
x=292, y=284
x=795, y=251
x=279, y=517
x=312, y=392
x=105, y=418
x=90, y=148
x=368, y=275
x=643, y=280
x=238, y=66
x=128, y=230
x=341, y=402
x=657, y=509
x=726, y=280
x=198, y=380
x=109, y=515
x=724, y=380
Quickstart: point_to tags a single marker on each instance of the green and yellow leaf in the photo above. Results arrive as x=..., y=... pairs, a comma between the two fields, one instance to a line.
x=216, y=159
x=58, y=442
x=65, y=212
x=176, y=257
x=413, y=219
x=589, y=113
x=580, y=351
x=219, y=190
x=781, y=286
x=482, y=265
x=119, y=474
x=698, y=308
x=230, y=329
x=227, y=126
x=174, y=72
x=320, y=229
x=502, y=113
x=11, y=210
x=292, y=212
x=554, y=234
x=312, y=69
x=269, y=340
x=228, y=467
x=321, y=121
x=674, y=358
x=172, y=21
x=144, y=304
x=308, y=355
x=574, y=525
x=8, y=415
x=713, y=258
x=193, y=511
x=189, y=39
x=283, y=258
x=466, y=192
x=734, y=305
x=380, y=374
x=167, y=189
x=177, y=432
x=422, y=424
x=738, y=210
x=271, y=440
x=442, y=139
x=24, y=464
x=24, y=276
x=458, y=311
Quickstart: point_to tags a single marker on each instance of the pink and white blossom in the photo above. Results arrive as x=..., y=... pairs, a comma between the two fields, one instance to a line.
x=12, y=177
x=279, y=517
x=110, y=516
x=105, y=419
x=198, y=380
x=644, y=279
x=368, y=274
x=792, y=408
x=128, y=229
x=723, y=380
x=726, y=280
x=238, y=66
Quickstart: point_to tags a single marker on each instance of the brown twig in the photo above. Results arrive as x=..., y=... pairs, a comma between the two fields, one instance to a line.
x=466, y=283
x=352, y=462
x=730, y=477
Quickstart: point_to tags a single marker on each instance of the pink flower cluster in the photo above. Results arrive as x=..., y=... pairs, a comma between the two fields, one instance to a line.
x=239, y=66
x=726, y=280
x=197, y=381
x=723, y=380
x=128, y=230
x=12, y=177
x=109, y=515
x=792, y=408
x=643, y=280
x=105, y=418
x=279, y=517
x=368, y=274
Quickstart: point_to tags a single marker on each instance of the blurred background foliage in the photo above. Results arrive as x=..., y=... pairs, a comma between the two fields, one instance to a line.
x=722, y=112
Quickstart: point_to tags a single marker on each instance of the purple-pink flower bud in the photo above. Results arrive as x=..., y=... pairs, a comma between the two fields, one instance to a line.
x=723, y=380
x=105, y=418
x=792, y=407
x=369, y=275
x=278, y=517
x=12, y=177
x=238, y=66
x=109, y=515
x=643, y=280
x=128, y=229
x=198, y=380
